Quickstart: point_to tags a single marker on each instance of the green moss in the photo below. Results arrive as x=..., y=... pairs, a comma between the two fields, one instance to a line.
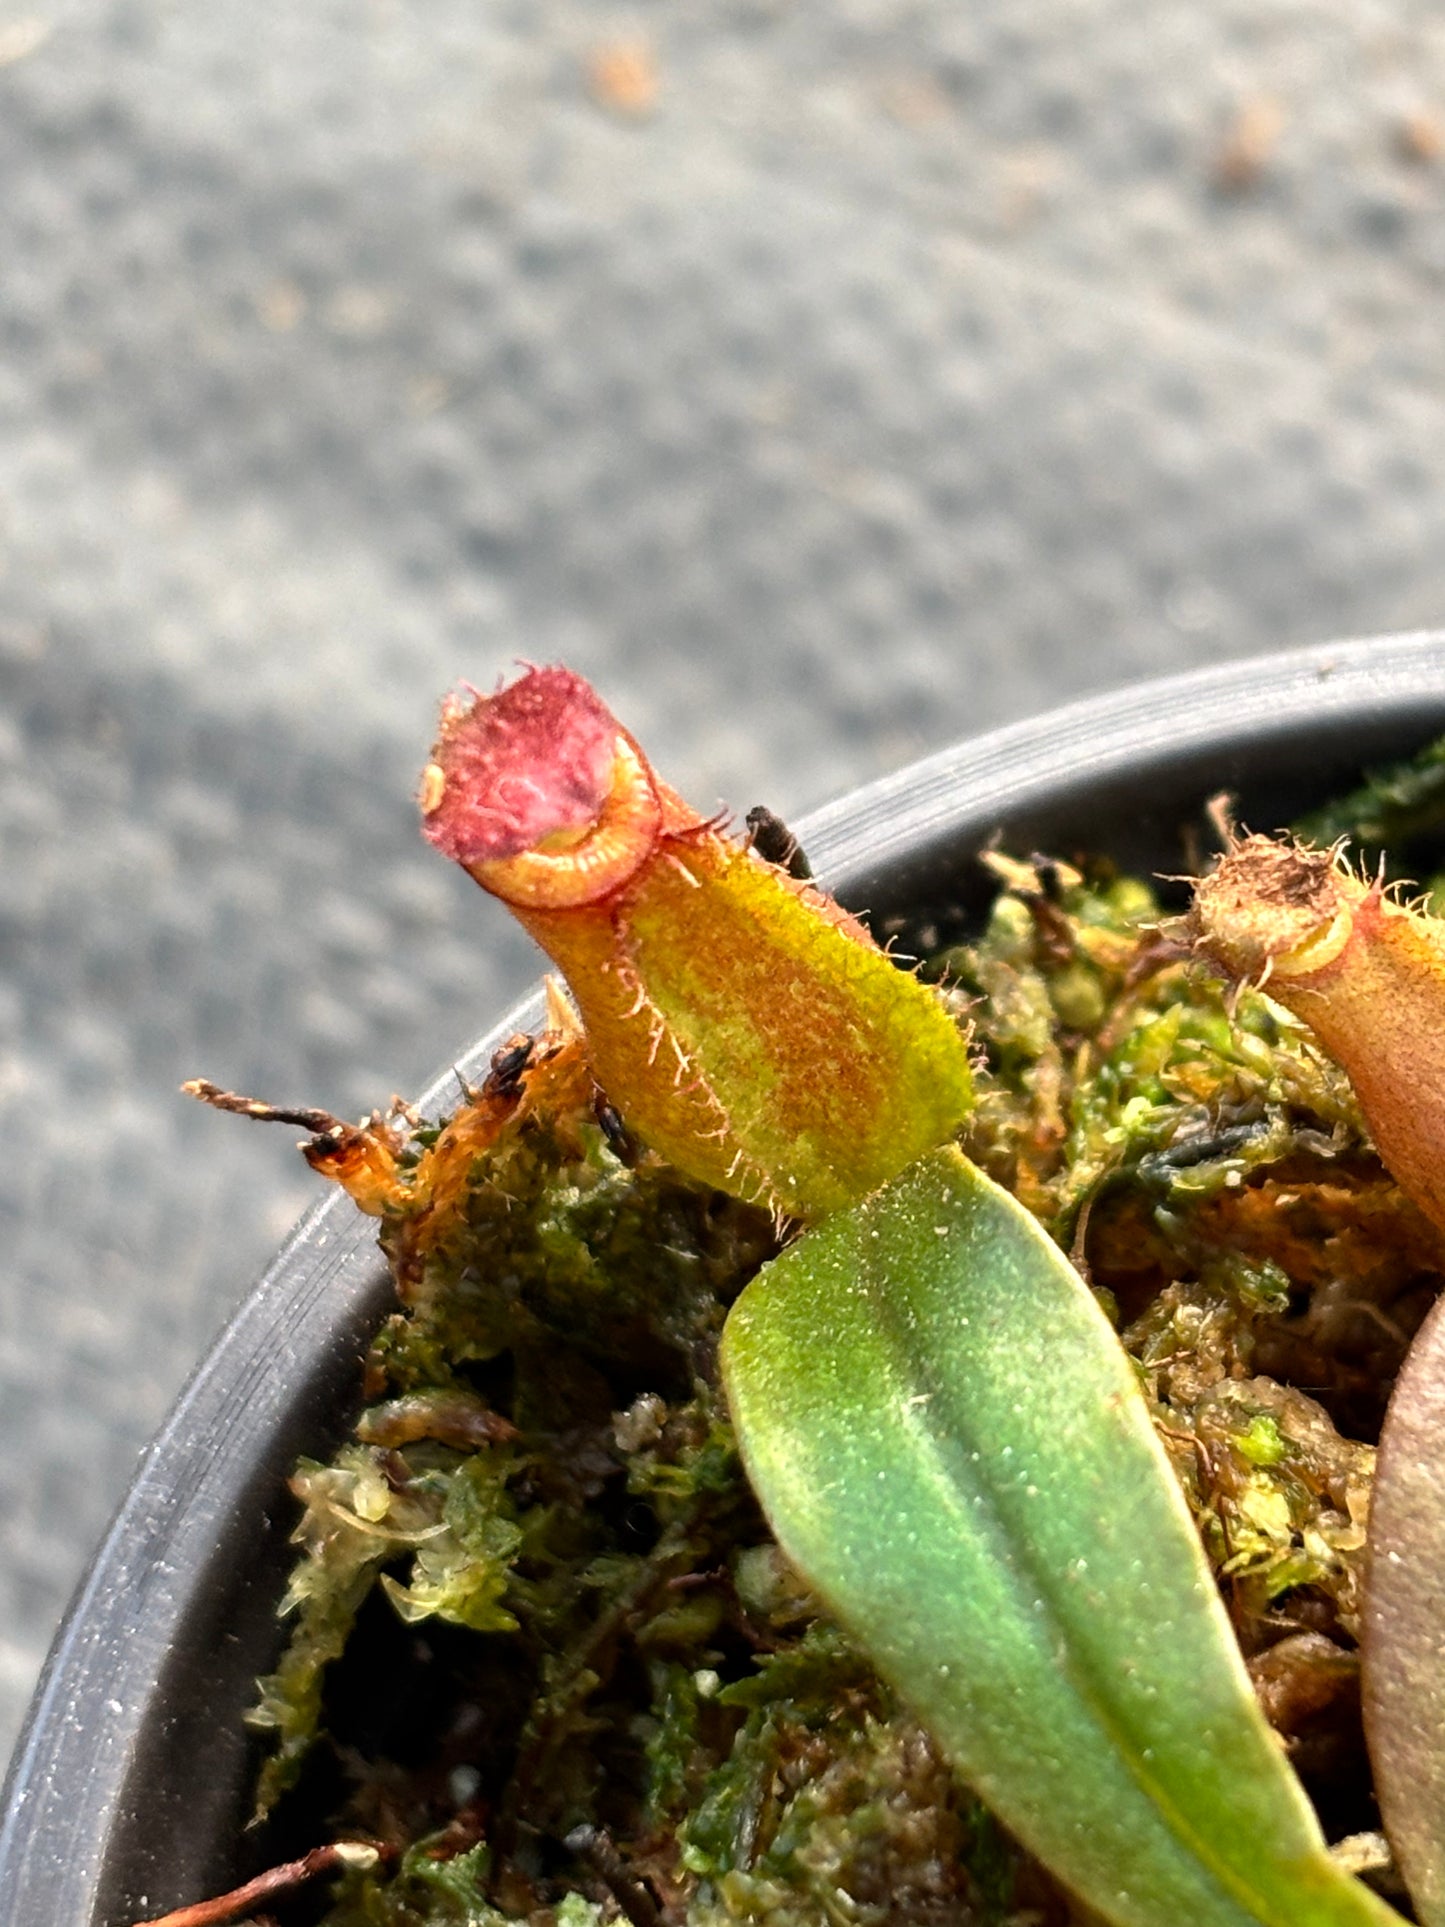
x=547, y=1466
x=431, y=1887
x=831, y=1806
x=1260, y=1442
x=1390, y=807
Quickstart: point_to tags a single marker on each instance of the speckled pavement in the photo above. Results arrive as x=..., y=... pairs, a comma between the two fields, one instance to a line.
x=826, y=381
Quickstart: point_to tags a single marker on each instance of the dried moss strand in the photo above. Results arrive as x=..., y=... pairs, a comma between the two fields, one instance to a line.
x=355, y=1855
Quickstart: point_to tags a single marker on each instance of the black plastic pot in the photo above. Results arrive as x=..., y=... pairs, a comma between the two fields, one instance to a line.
x=130, y=1782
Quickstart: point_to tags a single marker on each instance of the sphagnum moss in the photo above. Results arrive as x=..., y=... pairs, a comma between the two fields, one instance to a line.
x=634, y=1708
x=743, y=1762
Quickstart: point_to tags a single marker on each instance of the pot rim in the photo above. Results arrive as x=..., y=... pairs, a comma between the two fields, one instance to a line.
x=80, y=1770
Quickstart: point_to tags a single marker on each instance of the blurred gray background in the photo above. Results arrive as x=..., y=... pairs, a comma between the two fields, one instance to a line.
x=826, y=380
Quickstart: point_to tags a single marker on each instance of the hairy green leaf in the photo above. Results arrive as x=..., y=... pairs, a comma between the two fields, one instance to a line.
x=951, y=1445
x=1404, y=1681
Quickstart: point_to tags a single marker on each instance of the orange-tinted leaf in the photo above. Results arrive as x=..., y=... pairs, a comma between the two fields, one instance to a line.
x=1365, y=973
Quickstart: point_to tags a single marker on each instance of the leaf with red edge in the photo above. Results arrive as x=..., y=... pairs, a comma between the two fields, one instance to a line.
x=1404, y=1621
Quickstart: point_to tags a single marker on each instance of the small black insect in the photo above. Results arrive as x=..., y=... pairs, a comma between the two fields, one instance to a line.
x=609, y=1120
x=508, y=1065
x=593, y=1846
x=775, y=843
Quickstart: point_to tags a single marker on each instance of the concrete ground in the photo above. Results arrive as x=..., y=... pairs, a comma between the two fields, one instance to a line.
x=825, y=380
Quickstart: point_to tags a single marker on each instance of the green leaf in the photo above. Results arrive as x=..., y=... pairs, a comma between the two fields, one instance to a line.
x=1404, y=1680
x=952, y=1447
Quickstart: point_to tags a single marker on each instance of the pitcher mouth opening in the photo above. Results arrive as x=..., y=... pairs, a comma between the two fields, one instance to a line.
x=578, y=865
